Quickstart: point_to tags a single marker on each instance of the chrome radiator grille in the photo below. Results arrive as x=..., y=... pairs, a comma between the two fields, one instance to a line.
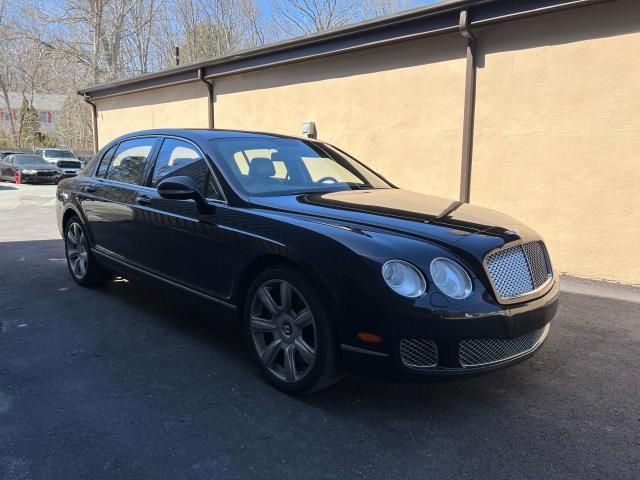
x=518, y=270
x=477, y=352
x=418, y=352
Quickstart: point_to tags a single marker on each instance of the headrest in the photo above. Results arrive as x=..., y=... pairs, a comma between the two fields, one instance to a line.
x=261, y=167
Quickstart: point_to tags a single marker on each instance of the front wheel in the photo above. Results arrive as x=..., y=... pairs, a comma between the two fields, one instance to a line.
x=82, y=265
x=289, y=332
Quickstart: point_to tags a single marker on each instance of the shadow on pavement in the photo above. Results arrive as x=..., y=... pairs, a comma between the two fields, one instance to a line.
x=125, y=376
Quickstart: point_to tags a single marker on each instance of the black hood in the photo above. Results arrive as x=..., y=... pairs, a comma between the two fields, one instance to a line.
x=407, y=212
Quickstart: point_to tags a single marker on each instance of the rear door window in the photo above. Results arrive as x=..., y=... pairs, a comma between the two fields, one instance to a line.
x=129, y=160
x=104, y=162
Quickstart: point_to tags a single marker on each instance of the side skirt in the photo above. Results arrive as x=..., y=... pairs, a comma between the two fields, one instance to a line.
x=118, y=265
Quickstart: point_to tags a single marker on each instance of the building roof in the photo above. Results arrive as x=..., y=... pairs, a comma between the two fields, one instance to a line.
x=41, y=101
x=438, y=18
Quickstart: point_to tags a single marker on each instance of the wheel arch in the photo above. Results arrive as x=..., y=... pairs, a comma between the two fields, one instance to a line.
x=273, y=260
x=66, y=216
x=73, y=211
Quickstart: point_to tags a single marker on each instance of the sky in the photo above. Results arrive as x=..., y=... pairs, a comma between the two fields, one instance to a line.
x=53, y=5
x=266, y=4
x=56, y=7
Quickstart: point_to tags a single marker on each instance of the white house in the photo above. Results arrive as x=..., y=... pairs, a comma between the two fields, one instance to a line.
x=47, y=105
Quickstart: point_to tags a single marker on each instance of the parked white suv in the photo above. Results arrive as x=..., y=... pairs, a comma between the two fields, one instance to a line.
x=62, y=158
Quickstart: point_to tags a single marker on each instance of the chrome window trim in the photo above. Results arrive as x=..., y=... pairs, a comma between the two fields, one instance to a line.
x=535, y=293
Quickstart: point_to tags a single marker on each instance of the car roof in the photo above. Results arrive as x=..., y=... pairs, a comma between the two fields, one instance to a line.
x=207, y=134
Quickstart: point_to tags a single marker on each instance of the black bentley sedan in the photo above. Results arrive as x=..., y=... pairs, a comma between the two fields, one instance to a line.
x=29, y=169
x=329, y=267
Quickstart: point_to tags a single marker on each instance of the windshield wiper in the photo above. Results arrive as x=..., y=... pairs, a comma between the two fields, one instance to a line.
x=309, y=192
x=359, y=186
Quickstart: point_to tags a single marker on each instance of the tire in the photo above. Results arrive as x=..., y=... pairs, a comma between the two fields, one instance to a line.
x=83, y=267
x=294, y=346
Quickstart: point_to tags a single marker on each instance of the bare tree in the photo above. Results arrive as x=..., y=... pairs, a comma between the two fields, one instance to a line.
x=375, y=8
x=299, y=17
x=141, y=26
x=5, y=69
x=208, y=29
x=46, y=48
x=259, y=30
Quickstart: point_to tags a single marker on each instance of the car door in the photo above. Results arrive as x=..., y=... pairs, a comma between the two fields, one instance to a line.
x=175, y=240
x=107, y=198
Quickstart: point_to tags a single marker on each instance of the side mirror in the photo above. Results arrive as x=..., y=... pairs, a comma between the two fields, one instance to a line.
x=184, y=188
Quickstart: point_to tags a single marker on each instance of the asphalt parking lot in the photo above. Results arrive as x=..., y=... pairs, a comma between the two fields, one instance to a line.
x=122, y=383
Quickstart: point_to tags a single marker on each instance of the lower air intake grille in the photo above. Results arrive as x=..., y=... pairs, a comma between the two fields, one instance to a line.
x=418, y=352
x=477, y=352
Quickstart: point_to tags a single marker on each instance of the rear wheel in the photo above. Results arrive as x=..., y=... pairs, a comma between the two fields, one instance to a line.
x=82, y=264
x=289, y=332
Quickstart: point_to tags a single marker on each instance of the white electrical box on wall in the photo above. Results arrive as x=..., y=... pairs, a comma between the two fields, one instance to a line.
x=309, y=129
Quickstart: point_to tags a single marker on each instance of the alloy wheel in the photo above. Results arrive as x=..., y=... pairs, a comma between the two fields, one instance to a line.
x=77, y=252
x=283, y=330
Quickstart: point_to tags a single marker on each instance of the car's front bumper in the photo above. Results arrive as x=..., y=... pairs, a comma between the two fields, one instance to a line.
x=421, y=344
x=35, y=178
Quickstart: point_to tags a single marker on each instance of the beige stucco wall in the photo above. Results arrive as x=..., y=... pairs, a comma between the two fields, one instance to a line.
x=171, y=107
x=558, y=134
x=399, y=108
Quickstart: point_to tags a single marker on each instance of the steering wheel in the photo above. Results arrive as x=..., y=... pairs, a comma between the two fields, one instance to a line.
x=327, y=180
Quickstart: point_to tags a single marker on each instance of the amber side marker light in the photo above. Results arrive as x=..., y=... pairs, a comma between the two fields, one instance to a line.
x=369, y=337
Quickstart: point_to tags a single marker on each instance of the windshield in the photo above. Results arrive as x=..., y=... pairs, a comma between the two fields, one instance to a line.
x=282, y=166
x=59, y=154
x=30, y=160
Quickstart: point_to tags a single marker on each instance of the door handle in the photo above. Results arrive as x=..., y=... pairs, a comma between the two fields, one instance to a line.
x=144, y=200
x=90, y=189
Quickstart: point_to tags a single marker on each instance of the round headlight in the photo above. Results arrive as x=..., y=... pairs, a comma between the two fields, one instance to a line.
x=451, y=278
x=403, y=278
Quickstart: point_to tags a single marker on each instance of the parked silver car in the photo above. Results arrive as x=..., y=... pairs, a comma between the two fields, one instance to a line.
x=62, y=158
